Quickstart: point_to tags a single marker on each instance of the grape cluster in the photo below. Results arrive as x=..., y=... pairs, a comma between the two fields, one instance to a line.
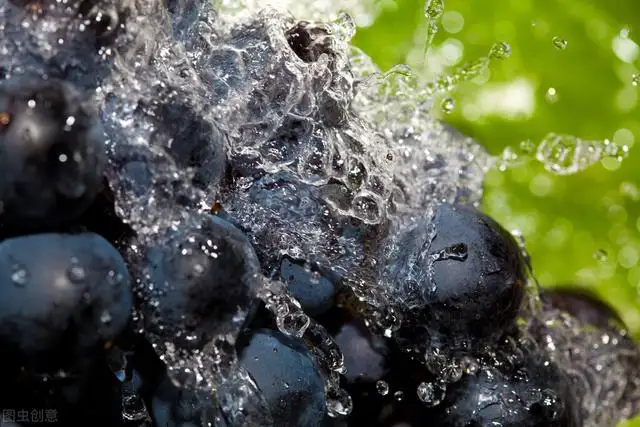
x=211, y=221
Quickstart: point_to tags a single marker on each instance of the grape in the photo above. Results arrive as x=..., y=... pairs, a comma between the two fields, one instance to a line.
x=314, y=291
x=461, y=274
x=202, y=279
x=531, y=393
x=604, y=371
x=51, y=153
x=285, y=372
x=584, y=307
x=63, y=297
x=258, y=173
x=64, y=300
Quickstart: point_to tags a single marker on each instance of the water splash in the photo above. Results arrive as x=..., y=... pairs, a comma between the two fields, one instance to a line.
x=433, y=11
x=562, y=154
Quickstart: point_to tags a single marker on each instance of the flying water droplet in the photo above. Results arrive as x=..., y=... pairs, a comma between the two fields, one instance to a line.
x=19, y=276
x=431, y=394
x=434, y=9
x=551, y=95
x=500, y=50
x=559, y=43
x=382, y=387
x=600, y=255
x=527, y=146
x=399, y=396
x=448, y=105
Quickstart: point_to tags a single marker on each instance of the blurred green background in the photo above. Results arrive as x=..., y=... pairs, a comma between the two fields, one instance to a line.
x=571, y=71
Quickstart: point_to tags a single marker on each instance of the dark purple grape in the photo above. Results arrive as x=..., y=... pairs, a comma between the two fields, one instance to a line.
x=532, y=392
x=62, y=297
x=582, y=305
x=287, y=376
x=587, y=338
x=314, y=290
x=52, y=153
x=202, y=280
x=460, y=274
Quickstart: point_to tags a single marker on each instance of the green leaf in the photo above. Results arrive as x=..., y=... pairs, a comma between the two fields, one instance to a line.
x=581, y=230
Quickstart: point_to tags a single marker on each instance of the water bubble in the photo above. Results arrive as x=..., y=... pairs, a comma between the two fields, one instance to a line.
x=559, y=43
x=398, y=395
x=431, y=394
x=133, y=407
x=527, y=146
x=600, y=255
x=500, y=50
x=294, y=324
x=452, y=373
x=435, y=360
x=551, y=95
x=344, y=27
x=382, y=387
x=315, y=277
x=434, y=9
x=469, y=365
x=19, y=275
x=635, y=79
x=448, y=105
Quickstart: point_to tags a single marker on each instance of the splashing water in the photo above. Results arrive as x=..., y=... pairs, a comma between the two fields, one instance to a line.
x=433, y=11
x=563, y=154
x=326, y=155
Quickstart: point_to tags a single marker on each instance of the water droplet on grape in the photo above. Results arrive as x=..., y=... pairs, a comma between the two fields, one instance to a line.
x=19, y=276
x=75, y=272
x=105, y=317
